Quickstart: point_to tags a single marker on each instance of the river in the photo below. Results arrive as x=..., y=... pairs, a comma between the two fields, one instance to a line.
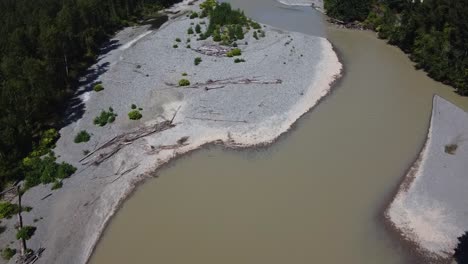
x=315, y=196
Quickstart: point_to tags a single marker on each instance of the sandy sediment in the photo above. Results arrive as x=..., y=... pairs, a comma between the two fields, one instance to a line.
x=431, y=206
x=294, y=70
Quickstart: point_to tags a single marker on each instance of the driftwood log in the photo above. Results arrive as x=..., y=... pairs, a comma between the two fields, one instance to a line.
x=114, y=145
x=221, y=83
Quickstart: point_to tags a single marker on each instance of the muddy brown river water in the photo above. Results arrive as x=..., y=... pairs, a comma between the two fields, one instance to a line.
x=315, y=196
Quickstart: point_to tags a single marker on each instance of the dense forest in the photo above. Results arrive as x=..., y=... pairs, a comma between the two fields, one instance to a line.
x=45, y=46
x=433, y=32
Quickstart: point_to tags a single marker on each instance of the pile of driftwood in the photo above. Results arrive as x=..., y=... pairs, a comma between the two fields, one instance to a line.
x=221, y=83
x=213, y=50
x=114, y=145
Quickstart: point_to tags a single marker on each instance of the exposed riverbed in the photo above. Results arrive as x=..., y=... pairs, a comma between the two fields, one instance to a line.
x=318, y=194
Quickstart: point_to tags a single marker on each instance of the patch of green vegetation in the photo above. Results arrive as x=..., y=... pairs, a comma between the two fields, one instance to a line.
x=234, y=52
x=237, y=60
x=188, y=47
x=226, y=25
x=178, y=40
x=198, y=28
x=57, y=185
x=184, y=82
x=193, y=15
x=45, y=170
x=26, y=232
x=82, y=136
x=190, y=31
x=135, y=115
x=7, y=209
x=8, y=253
x=175, y=46
x=133, y=106
x=184, y=74
x=98, y=87
x=105, y=117
x=197, y=60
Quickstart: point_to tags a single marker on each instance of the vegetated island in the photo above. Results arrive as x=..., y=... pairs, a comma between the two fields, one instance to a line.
x=209, y=74
x=430, y=207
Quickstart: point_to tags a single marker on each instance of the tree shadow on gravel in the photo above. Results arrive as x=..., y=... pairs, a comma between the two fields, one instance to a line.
x=75, y=107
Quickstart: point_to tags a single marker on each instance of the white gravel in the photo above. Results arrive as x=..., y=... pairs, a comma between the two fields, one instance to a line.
x=431, y=206
x=75, y=215
x=317, y=4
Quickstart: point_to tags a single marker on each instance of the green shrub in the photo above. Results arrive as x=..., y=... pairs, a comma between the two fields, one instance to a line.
x=188, y=40
x=255, y=25
x=194, y=15
x=26, y=232
x=184, y=74
x=57, y=185
x=237, y=60
x=105, y=117
x=198, y=29
x=8, y=253
x=234, y=52
x=98, y=87
x=190, y=31
x=178, y=40
x=133, y=106
x=234, y=45
x=184, y=82
x=7, y=209
x=255, y=35
x=82, y=136
x=197, y=60
x=175, y=46
x=135, y=115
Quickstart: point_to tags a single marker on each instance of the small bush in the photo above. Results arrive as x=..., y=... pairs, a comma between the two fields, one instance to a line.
x=105, y=117
x=234, y=45
x=234, y=52
x=184, y=82
x=194, y=15
x=188, y=47
x=98, y=87
x=198, y=29
x=57, y=185
x=190, y=31
x=255, y=25
x=184, y=74
x=26, y=232
x=188, y=40
x=451, y=149
x=239, y=60
x=175, y=46
x=82, y=136
x=178, y=40
x=135, y=115
x=133, y=106
x=197, y=60
x=8, y=253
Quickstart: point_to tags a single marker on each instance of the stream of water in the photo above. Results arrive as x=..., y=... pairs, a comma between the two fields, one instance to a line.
x=315, y=196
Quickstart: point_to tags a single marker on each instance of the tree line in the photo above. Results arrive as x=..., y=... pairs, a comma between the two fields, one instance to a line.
x=45, y=46
x=433, y=32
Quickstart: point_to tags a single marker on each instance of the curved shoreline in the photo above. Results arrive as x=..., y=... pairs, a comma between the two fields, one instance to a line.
x=421, y=189
x=76, y=215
